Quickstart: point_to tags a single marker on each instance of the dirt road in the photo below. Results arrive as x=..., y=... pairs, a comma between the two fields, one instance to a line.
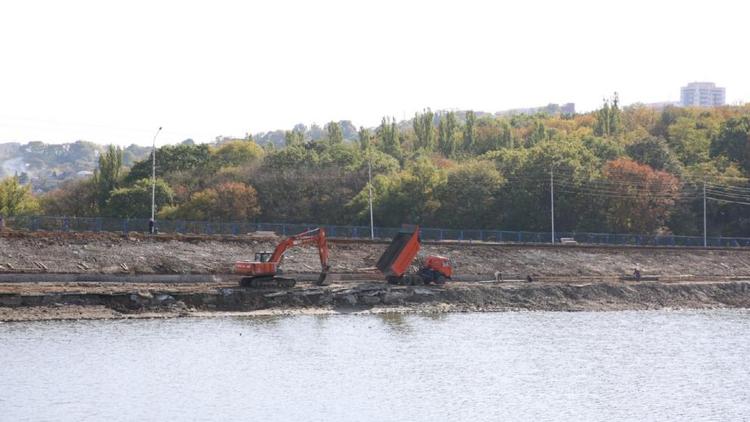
x=113, y=253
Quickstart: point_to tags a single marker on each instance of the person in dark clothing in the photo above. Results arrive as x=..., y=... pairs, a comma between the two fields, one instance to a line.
x=151, y=226
x=637, y=274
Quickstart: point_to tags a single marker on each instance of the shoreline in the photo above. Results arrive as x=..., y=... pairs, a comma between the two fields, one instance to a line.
x=61, y=302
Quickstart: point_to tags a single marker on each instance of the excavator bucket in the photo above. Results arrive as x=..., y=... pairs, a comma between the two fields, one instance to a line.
x=323, y=276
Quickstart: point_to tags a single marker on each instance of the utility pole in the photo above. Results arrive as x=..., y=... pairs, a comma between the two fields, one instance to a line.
x=369, y=187
x=552, y=200
x=153, y=178
x=705, y=239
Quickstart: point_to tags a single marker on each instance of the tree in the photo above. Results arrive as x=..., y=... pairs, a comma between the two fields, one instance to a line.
x=235, y=153
x=654, y=152
x=539, y=133
x=16, y=199
x=733, y=141
x=75, y=198
x=469, y=131
x=107, y=176
x=135, y=201
x=388, y=138
x=608, y=118
x=468, y=199
x=409, y=196
x=690, y=142
x=293, y=138
x=229, y=201
x=448, y=134
x=333, y=133
x=365, y=139
x=170, y=159
x=424, y=130
x=642, y=198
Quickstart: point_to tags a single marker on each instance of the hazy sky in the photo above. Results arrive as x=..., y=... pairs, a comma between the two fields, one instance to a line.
x=115, y=71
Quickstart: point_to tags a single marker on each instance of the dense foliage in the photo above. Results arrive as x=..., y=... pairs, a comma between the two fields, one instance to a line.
x=632, y=170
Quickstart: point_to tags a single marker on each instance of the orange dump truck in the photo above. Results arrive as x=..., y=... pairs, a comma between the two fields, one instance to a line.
x=398, y=257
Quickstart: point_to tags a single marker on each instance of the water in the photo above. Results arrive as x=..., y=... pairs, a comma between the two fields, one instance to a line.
x=539, y=366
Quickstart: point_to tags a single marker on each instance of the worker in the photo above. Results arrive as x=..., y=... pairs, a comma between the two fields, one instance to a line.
x=637, y=274
x=151, y=226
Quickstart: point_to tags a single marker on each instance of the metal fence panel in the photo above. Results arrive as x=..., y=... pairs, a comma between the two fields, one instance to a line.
x=86, y=224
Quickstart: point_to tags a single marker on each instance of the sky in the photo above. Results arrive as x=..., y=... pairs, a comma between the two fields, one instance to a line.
x=113, y=72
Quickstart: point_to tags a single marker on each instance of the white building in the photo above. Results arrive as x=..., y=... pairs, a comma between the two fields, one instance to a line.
x=702, y=94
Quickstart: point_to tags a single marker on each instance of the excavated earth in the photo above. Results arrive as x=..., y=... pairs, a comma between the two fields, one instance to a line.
x=490, y=277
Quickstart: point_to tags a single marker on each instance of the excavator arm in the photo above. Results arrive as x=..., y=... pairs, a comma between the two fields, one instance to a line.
x=311, y=237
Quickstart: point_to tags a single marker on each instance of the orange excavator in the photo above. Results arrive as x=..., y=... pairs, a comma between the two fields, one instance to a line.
x=265, y=271
x=397, y=258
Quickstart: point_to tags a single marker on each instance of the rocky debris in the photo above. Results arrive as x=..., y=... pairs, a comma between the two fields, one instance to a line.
x=466, y=297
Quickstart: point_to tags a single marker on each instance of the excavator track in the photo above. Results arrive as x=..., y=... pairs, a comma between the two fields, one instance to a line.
x=268, y=282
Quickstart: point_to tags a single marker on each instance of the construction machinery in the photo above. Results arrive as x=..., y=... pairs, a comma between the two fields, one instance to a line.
x=265, y=271
x=398, y=257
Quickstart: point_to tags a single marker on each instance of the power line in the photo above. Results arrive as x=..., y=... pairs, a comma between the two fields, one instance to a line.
x=728, y=201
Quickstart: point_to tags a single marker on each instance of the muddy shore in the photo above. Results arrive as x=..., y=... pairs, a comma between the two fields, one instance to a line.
x=44, y=301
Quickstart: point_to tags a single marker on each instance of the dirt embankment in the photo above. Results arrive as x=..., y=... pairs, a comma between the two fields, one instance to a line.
x=113, y=253
x=584, y=278
x=127, y=301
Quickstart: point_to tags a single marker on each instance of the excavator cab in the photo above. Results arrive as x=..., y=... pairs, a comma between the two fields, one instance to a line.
x=263, y=256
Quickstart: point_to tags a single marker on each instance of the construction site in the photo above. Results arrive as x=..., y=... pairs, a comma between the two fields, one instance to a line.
x=59, y=275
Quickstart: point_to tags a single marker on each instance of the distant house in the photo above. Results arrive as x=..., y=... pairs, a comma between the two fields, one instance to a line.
x=84, y=173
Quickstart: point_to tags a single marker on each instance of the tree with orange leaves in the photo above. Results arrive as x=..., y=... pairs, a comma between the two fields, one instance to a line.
x=641, y=199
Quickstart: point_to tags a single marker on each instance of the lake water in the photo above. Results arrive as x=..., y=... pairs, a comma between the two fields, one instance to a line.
x=536, y=366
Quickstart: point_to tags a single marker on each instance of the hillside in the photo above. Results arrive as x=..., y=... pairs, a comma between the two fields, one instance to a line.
x=48, y=165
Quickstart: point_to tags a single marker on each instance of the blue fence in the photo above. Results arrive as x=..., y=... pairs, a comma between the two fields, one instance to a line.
x=80, y=224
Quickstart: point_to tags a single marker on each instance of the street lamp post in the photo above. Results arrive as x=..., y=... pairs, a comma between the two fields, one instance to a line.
x=153, y=179
x=369, y=188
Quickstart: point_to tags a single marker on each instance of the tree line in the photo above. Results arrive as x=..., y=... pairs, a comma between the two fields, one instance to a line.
x=624, y=170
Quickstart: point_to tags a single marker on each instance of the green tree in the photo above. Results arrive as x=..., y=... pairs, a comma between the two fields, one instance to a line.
x=173, y=158
x=690, y=142
x=293, y=138
x=235, y=153
x=469, y=131
x=16, y=199
x=609, y=118
x=388, y=138
x=333, y=133
x=365, y=139
x=468, y=199
x=107, y=176
x=447, y=134
x=539, y=133
x=733, y=141
x=409, y=196
x=424, y=130
x=135, y=201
